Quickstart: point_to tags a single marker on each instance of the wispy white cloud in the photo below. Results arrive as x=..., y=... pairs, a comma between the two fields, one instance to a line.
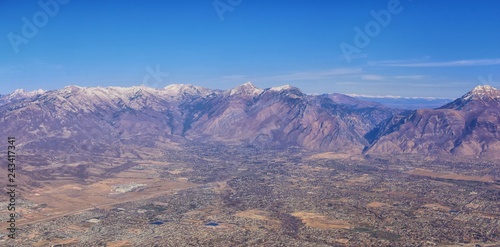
x=314, y=75
x=457, y=63
x=233, y=77
x=8, y=69
x=341, y=76
x=373, y=77
x=299, y=75
x=414, y=77
x=33, y=64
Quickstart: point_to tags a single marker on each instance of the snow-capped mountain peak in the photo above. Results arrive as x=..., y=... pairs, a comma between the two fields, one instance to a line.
x=483, y=92
x=21, y=93
x=247, y=88
x=483, y=89
x=177, y=88
x=186, y=89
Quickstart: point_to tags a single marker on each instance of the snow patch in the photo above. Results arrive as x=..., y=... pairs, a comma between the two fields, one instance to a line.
x=183, y=89
x=483, y=91
x=21, y=93
x=247, y=88
x=281, y=88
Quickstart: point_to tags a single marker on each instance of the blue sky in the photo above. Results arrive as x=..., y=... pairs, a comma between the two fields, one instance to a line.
x=414, y=48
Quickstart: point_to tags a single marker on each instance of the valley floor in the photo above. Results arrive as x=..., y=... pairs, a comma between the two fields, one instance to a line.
x=214, y=195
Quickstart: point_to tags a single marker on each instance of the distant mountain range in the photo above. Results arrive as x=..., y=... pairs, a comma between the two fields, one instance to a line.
x=409, y=103
x=105, y=119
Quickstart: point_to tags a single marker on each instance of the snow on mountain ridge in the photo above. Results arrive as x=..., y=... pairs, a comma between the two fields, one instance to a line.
x=484, y=88
x=247, y=88
x=20, y=94
x=281, y=88
x=178, y=89
x=23, y=93
x=483, y=92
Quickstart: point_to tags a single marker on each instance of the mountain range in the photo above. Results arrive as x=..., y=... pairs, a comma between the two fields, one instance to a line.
x=104, y=120
x=410, y=103
x=468, y=126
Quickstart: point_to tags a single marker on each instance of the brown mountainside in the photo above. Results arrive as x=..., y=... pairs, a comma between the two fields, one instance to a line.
x=468, y=126
x=77, y=119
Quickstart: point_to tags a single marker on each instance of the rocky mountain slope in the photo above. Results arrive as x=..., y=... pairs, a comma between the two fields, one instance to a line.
x=468, y=126
x=100, y=119
x=106, y=119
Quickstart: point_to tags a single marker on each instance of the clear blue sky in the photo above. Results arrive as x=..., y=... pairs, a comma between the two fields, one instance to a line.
x=428, y=48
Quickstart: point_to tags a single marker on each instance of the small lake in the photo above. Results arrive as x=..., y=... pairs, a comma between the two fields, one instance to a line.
x=212, y=224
